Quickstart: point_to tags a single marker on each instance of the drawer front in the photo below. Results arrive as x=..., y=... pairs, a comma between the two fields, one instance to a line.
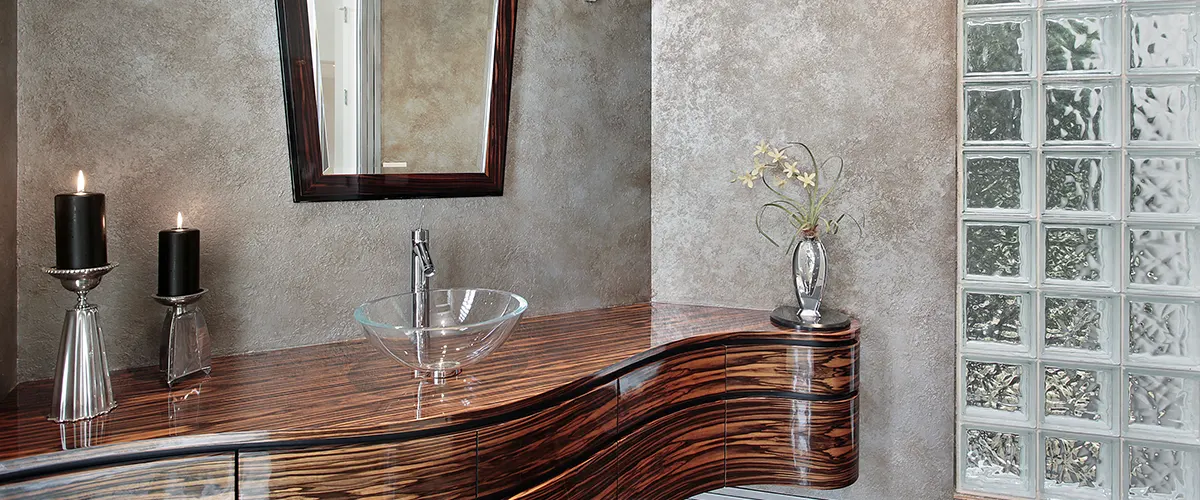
x=595, y=479
x=440, y=467
x=792, y=442
x=674, y=457
x=515, y=452
x=809, y=370
x=669, y=381
x=203, y=476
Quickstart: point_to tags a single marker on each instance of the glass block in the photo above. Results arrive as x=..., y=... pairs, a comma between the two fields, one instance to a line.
x=1077, y=323
x=997, y=44
x=1077, y=467
x=996, y=460
x=1160, y=257
x=1079, y=182
x=995, y=389
x=1077, y=396
x=997, y=181
x=996, y=250
x=974, y=3
x=998, y=114
x=1078, y=254
x=1079, y=113
x=1158, y=473
x=1161, y=39
x=994, y=318
x=1081, y=42
x=1164, y=332
x=1161, y=112
x=1162, y=404
x=1163, y=184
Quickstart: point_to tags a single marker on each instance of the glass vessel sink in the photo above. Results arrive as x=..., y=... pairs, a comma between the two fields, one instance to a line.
x=461, y=327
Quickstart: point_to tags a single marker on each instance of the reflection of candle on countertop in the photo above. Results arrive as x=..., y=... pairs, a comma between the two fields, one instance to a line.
x=178, y=260
x=80, y=237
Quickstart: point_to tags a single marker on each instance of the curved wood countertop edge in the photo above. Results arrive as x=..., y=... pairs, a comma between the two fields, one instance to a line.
x=202, y=443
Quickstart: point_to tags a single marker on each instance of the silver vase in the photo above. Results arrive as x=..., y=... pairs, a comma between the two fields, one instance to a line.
x=808, y=271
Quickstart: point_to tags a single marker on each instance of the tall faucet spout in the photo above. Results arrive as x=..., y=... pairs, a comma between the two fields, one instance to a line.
x=422, y=270
x=426, y=266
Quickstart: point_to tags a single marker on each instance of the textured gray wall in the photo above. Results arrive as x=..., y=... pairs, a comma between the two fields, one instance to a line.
x=874, y=82
x=177, y=105
x=434, y=79
x=8, y=195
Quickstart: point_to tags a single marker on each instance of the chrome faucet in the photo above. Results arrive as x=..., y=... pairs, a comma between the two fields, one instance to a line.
x=422, y=270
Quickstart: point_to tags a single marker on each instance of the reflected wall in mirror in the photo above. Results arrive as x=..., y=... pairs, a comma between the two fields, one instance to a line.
x=397, y=98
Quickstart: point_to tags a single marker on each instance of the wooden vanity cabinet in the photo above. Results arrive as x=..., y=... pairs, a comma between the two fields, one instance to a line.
x=644, y=402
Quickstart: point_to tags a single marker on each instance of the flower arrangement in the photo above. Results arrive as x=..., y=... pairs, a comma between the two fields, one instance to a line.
x=777, y=169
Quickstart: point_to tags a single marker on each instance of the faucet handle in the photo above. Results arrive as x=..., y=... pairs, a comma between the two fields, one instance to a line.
x=420, y=236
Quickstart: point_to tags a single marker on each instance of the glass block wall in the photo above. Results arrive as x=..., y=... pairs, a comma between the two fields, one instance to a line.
x=1079, y=318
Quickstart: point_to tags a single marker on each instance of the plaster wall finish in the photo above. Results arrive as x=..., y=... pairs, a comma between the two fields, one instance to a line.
x=178, y=105
x=434, y=76
x=871, y=81
x=8, y=195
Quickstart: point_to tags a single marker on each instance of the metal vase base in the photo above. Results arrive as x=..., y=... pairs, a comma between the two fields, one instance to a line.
x=185, y=349
x=82, y=387
x=829, y=320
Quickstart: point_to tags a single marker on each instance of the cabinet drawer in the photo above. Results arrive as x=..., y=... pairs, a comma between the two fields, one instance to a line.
x=515, y=452
x=595, y=479
x=674, y=457
x=202, y=476
x=786, y=441
x=809, y=370
x=429, y=468
x=670, y=381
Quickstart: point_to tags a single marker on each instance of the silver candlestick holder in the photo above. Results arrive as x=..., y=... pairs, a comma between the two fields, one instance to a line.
x=82, y=387
x=185, y=349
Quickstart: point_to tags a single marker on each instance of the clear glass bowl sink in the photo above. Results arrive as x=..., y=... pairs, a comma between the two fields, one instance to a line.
x=462, y=326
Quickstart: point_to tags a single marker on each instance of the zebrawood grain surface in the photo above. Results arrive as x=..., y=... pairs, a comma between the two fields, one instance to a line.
x=791, y=441
x=793, y=368
x=435, y=468
x=672, y=458
x=594, y=479
x=669, y=381
x=515, y=452
x=572, y=402
x=208, y=477
x=348, y=390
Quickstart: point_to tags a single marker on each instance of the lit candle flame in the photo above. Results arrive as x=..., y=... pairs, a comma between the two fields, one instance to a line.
x=80, y=182
x=179, y=220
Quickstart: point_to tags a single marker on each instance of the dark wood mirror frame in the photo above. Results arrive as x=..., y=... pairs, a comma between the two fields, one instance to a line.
x=309, y=183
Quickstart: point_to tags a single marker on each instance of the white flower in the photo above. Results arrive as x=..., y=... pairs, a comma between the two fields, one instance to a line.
x=792, y=170
x=747, y=179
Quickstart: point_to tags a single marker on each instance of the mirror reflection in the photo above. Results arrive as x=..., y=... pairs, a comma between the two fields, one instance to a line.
x=404, y=85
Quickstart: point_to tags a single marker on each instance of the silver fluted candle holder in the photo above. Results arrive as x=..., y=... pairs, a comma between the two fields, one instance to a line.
x=184, y=349
x=82, y=387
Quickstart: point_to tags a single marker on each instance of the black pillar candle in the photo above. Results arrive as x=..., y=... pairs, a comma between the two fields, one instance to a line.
x=80, y=238
x=178, y=261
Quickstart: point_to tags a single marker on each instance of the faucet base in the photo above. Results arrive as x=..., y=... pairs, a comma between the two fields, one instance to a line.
x=438, y=377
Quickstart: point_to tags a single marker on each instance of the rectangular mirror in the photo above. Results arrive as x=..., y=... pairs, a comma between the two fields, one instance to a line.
x=396, y=98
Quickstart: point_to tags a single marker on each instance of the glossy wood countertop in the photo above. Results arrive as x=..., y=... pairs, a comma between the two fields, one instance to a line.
x=324, y=394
